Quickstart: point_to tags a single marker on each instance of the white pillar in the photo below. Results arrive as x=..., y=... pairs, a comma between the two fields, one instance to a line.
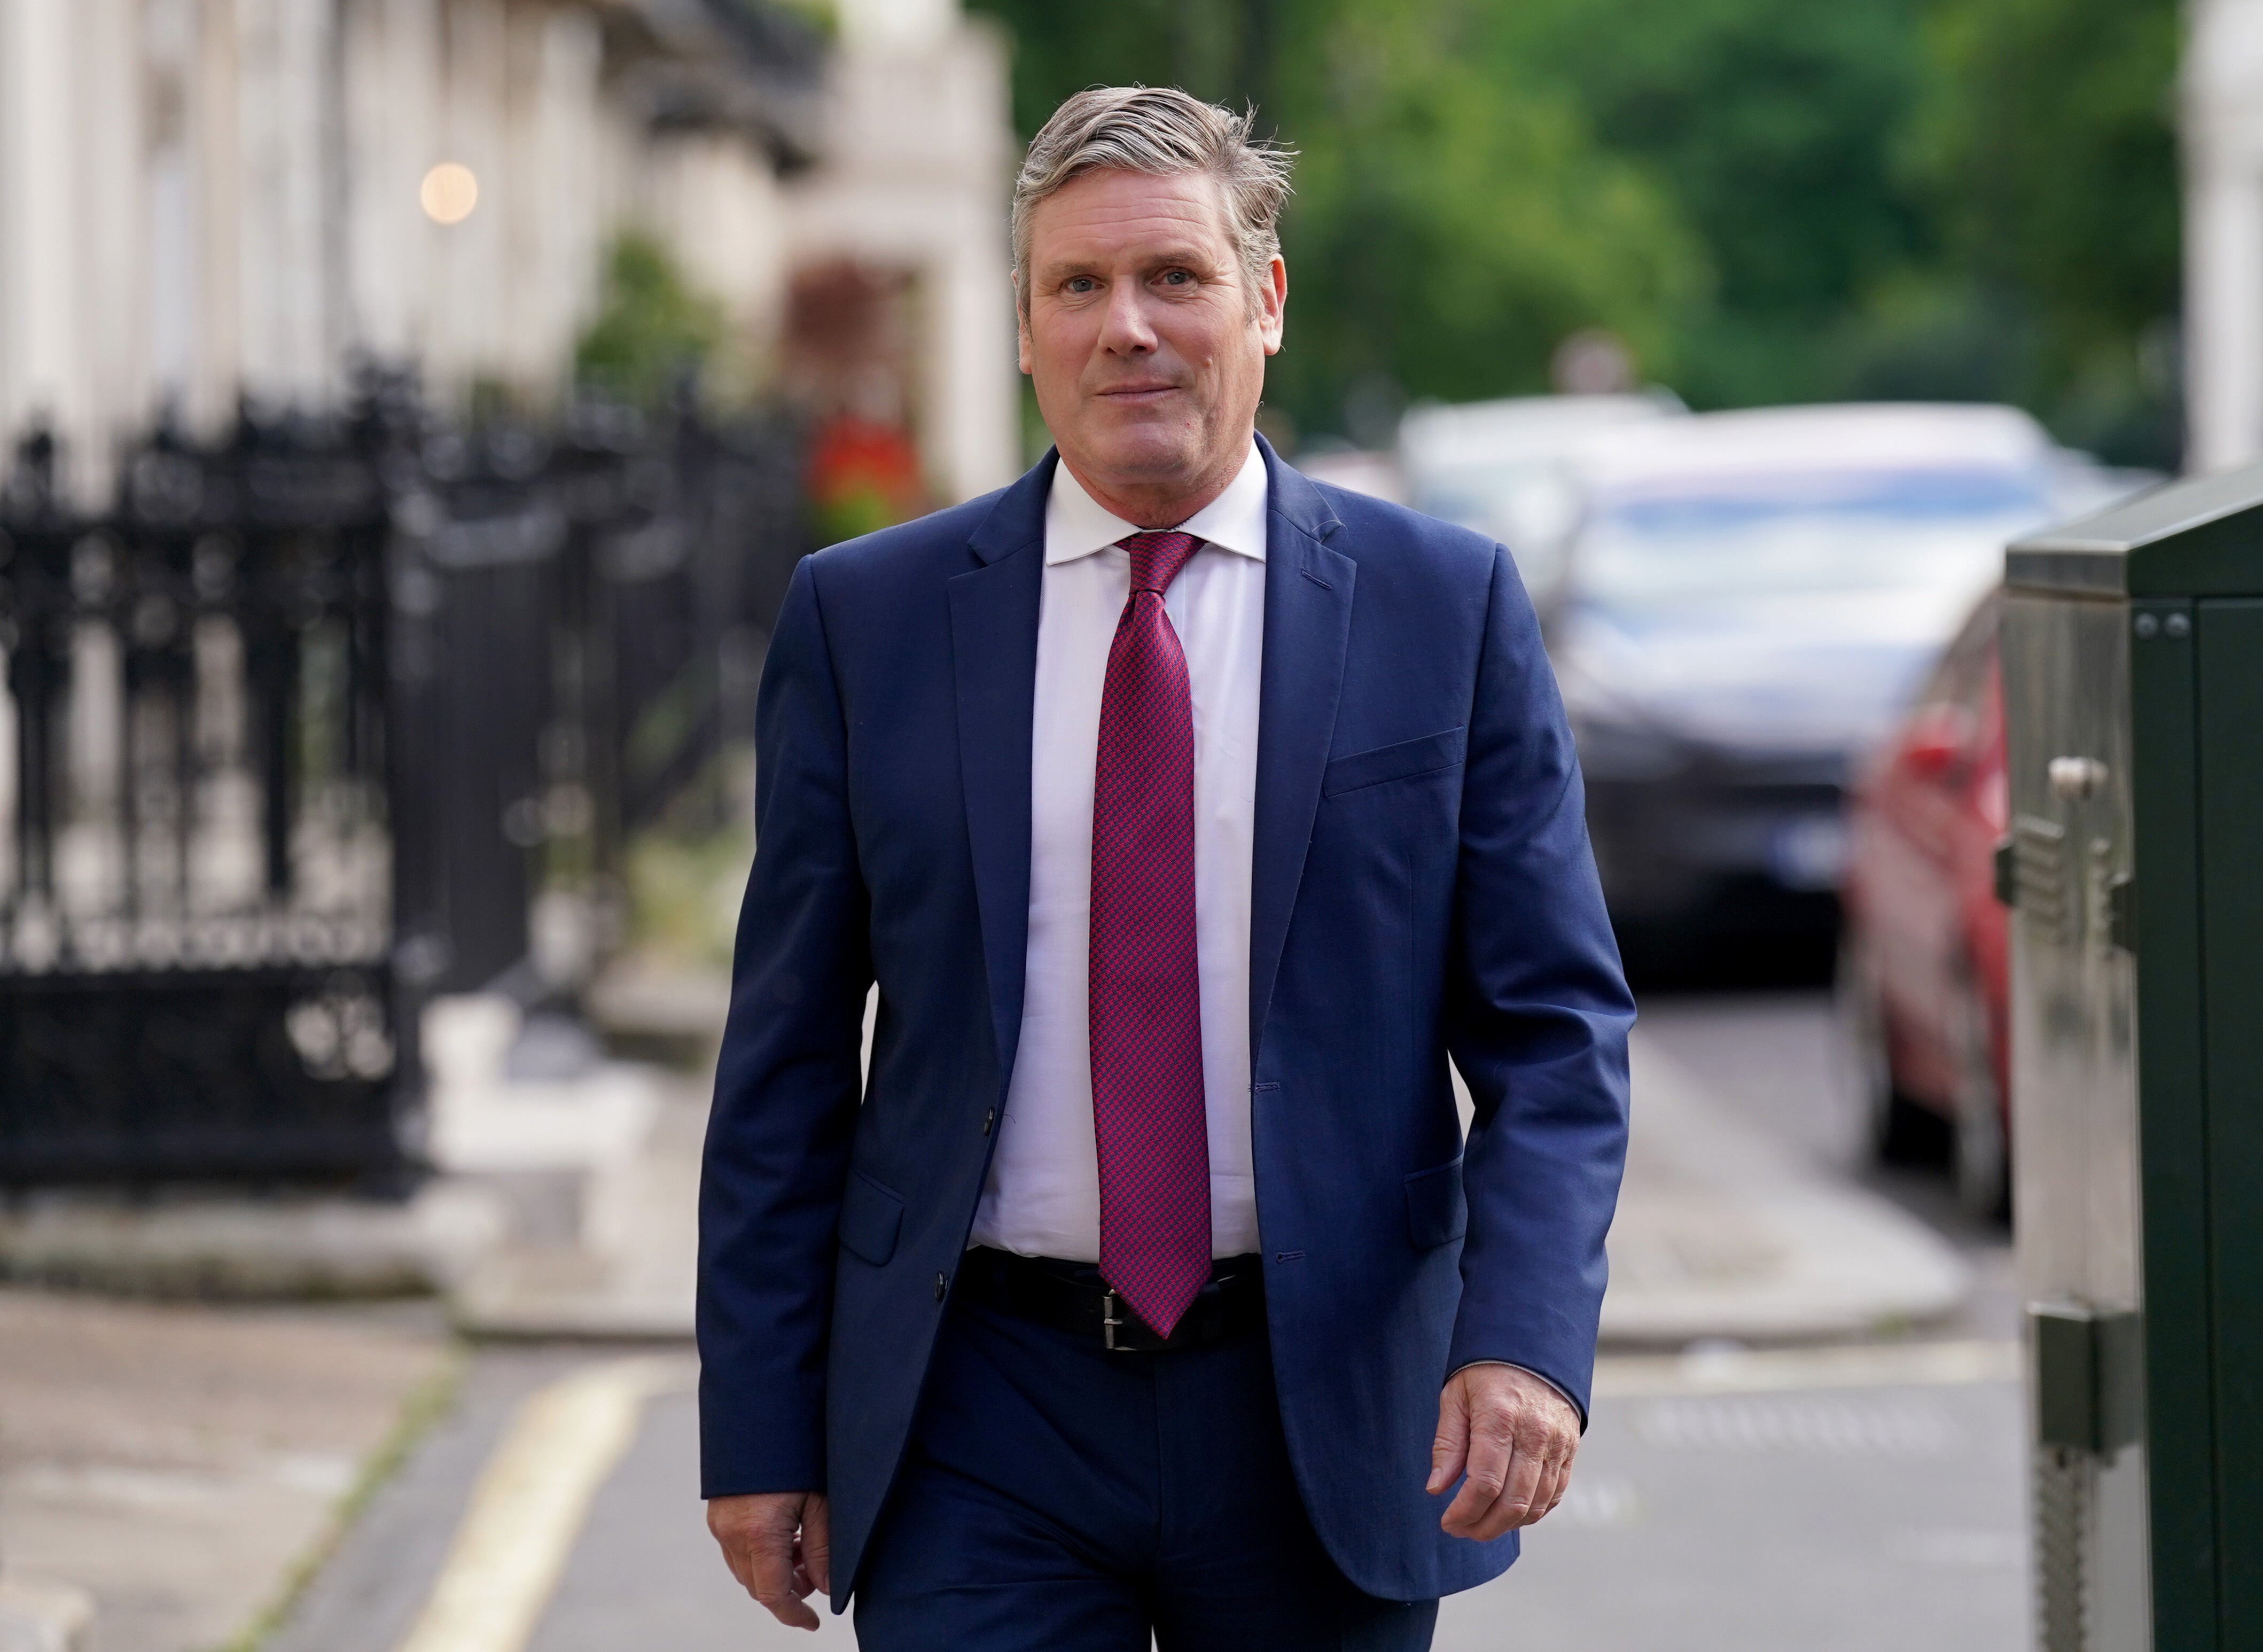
x=466, y=297
x=41, y=374
x=2223, y=233
x=393, y=70
x=974, y=402
x=216, y=140
x=286, y=123
x=173, y=263
x=895, y=25
x=547, y=194
x=110, y=204
x=713, y=200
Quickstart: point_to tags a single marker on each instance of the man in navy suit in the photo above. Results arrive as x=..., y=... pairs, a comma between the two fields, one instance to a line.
x=1188, y=818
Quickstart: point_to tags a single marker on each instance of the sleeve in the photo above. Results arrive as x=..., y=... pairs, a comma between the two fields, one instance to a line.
x=1536, y=1020
x=787, y=1084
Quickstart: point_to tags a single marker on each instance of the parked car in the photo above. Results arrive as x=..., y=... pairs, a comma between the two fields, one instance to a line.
x=1923, y=970
x=1512, y=469
x=1743, y=612
x=1748, y=603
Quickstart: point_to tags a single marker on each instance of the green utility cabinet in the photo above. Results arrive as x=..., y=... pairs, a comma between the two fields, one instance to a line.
x=2133, y=692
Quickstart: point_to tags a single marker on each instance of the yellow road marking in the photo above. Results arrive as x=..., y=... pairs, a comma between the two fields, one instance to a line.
x=1773, y=1370
x=530, y=1501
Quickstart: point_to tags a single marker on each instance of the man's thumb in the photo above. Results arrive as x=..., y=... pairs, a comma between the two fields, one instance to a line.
x=1450, y=1447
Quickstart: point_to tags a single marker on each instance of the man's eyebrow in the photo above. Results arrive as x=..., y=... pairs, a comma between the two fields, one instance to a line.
x=1063, y=268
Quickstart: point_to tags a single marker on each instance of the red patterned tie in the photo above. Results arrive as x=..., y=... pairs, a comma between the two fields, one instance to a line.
x=1148, y=1105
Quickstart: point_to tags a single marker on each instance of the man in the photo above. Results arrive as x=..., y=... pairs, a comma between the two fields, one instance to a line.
x=1188, y=817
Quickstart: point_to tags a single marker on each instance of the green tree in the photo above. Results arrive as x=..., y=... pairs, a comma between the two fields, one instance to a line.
x=650, y=326
x=1772, y=200
x=2046, y=150
x=1454, y=218
x=1771, y=124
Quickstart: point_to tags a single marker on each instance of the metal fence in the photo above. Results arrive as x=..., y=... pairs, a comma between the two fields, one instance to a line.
x=309, y=726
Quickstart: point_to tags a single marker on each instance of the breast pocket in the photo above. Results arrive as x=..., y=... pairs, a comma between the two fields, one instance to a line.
x=1403, y=761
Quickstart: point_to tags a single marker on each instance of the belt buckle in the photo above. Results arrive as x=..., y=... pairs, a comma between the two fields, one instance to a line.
x=1109, y=1323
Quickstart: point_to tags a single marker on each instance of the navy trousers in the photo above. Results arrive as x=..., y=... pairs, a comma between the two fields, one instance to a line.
x=1058, y=1497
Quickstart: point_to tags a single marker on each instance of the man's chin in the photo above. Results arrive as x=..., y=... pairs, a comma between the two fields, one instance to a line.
x=1142, y=454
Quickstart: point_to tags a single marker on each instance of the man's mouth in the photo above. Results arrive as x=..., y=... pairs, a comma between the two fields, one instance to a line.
x=1136, y=393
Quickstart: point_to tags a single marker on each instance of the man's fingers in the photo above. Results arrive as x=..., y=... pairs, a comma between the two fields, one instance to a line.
x=817, y=1543
x=1562, y=1484
x=772, y=1564
x=1512, y=1502
x=769, y=1562
x=1451, y=1446
x=1492, y=1459
x=1547, y=1493
x=758, y=1535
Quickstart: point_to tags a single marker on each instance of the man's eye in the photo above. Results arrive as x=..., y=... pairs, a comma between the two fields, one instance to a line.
x=1081, y=283
x=1176, y=278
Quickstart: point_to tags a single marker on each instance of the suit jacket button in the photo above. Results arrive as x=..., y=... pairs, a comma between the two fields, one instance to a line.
x=940, y=1287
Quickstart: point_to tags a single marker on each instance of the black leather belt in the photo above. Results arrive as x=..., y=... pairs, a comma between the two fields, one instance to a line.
x=1072, y=1296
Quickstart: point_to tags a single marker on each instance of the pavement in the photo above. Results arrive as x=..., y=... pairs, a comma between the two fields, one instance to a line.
x=1732, y=1465
x=1726, y=1231
x=175, y=1467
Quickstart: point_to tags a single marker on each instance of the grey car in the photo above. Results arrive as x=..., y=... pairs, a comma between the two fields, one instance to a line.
x=1748, y=603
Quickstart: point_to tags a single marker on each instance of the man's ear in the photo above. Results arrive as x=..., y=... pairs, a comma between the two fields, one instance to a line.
x=1273, y=304
x=1021, y=323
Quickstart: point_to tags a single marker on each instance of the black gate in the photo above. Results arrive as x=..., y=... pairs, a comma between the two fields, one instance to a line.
x=297, y=733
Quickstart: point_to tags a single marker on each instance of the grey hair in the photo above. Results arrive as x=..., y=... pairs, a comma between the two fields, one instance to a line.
x=1164, y=132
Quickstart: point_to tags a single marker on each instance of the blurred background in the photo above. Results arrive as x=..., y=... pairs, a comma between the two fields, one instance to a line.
x=412, y=411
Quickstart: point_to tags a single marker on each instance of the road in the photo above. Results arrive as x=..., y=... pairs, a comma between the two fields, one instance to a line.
x=1867, y=1499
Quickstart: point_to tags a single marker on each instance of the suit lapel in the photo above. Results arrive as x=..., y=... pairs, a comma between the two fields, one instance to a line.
x=993, y=652
x=1308, y=596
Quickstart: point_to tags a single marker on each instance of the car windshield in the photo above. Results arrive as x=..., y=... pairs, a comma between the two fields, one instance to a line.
x=1808, y=534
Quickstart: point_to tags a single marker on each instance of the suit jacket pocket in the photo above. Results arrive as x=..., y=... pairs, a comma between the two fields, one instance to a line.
x=870, y=1216
x=1399, y=762
x=1437, y=1213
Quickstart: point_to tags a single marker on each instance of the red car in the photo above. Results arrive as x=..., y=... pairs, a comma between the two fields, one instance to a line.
x=1924, y=966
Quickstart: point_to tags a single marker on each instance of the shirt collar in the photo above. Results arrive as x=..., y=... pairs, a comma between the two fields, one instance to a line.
x=1076, y=526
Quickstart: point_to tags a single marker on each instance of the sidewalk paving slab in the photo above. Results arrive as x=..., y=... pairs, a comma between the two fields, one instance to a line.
x=178, y=1463
x=1725, y=1232
x=38, y=1616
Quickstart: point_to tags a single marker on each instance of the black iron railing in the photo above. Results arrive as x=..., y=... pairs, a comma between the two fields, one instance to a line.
x=300, y=731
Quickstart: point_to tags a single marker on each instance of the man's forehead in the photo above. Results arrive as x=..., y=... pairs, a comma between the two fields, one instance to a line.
x=1113, y=210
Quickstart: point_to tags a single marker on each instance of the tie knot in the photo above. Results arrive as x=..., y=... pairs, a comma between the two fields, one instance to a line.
x=1156, y=558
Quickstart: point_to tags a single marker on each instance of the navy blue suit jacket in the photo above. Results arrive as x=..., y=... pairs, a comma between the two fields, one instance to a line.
x=1422, y=888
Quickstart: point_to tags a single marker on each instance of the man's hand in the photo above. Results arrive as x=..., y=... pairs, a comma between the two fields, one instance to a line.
x=779, y=1549
x=1513, y=1436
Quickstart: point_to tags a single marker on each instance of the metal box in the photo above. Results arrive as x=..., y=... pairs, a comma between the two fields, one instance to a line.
x=2133, y=692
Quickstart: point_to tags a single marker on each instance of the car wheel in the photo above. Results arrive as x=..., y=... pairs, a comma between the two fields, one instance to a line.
x=1980, y=1156
x=1894, y=1130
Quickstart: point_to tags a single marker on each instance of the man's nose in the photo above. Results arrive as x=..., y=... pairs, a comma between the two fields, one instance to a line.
x=1125, y=329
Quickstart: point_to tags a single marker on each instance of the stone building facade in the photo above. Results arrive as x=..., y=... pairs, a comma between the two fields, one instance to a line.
x=206, y=198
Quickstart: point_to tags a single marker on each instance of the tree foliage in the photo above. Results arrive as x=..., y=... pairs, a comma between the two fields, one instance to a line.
x=650, y=326
x=1768, y=199
x=2046, y=149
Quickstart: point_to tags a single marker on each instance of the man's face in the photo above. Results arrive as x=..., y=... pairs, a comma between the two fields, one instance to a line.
x=1139, y=334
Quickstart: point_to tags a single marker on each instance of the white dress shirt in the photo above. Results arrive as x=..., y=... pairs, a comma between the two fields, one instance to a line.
x=1043, y=1196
